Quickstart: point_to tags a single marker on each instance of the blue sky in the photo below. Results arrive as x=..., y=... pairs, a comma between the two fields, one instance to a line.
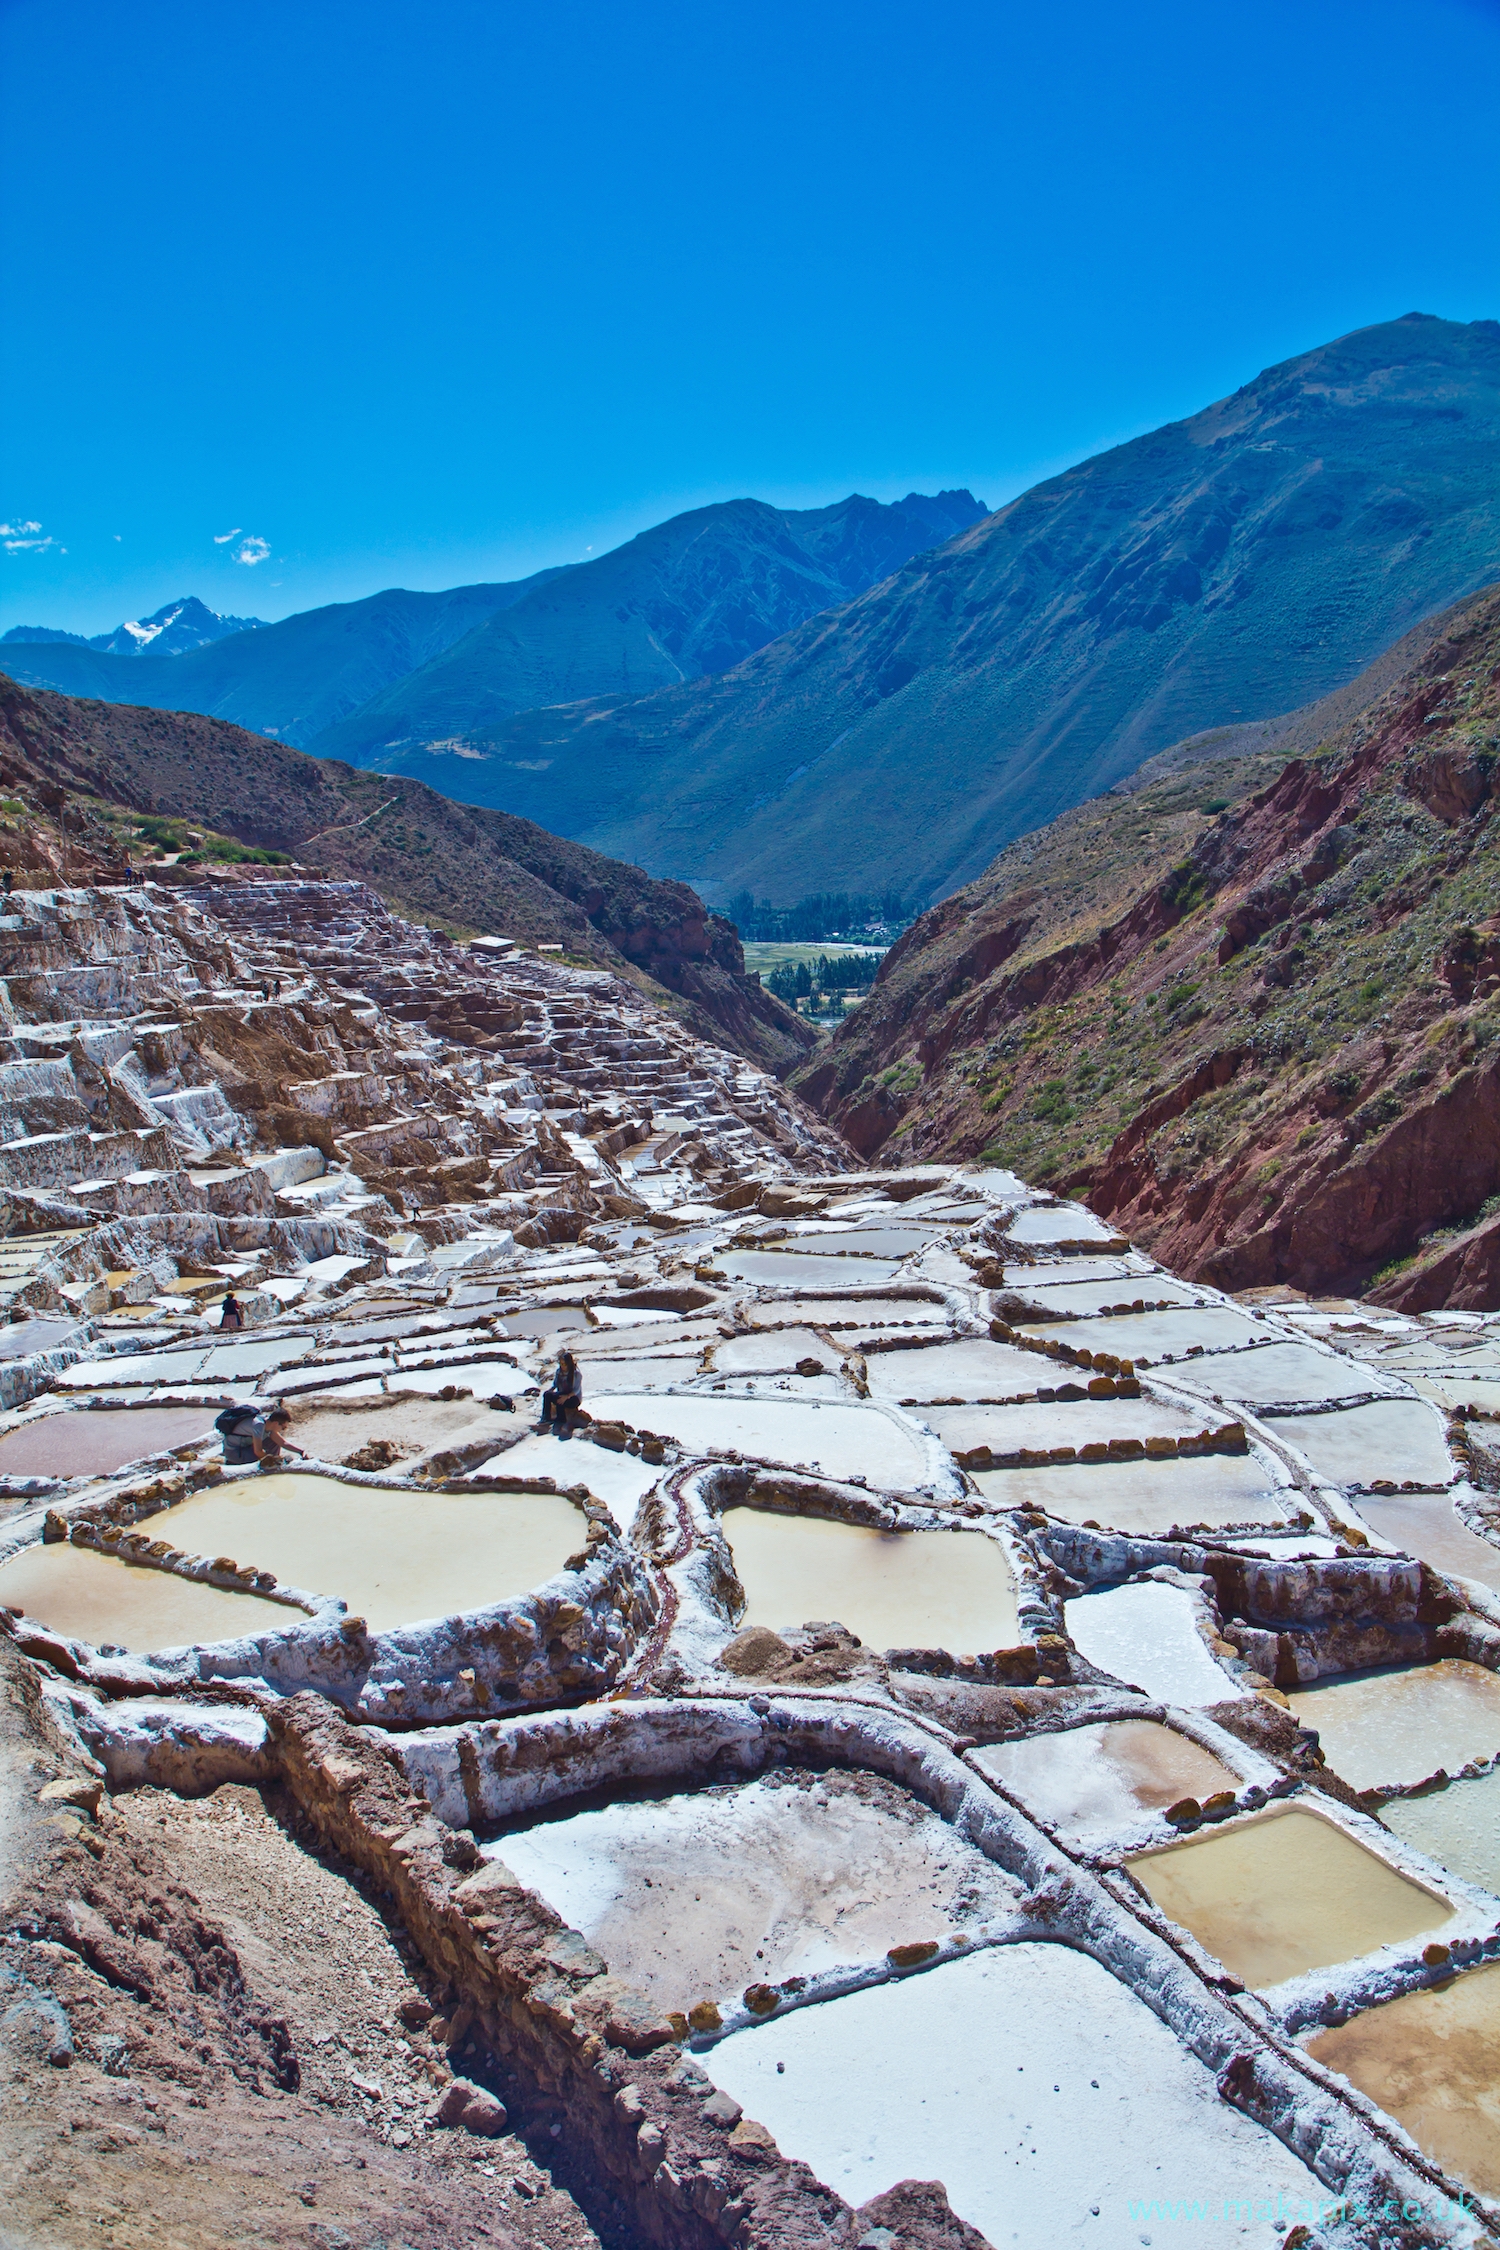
x=305, y=300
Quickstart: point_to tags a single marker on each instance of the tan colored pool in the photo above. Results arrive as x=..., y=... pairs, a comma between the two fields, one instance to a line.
x=394, y=1557
x=1399, y=1727
x=895, y=1589
x=1432, y=2061
x=1286, y=1892
x=96, y=1440
x=1098, y=1779
x=97, y=1598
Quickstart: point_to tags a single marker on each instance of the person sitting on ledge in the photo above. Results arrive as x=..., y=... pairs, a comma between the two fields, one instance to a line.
x=563, y=1398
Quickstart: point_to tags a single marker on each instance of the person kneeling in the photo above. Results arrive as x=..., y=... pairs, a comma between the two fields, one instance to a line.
x=251, y=1435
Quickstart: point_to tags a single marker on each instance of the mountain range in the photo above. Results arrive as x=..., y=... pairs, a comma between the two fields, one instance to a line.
x=695, y=594
x=169, y=631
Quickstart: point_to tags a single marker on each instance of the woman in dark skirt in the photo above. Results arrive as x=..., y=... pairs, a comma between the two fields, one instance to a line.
x=563, y=1397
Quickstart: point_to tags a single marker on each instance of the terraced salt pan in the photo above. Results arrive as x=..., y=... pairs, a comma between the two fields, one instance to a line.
x=1084, y=1297
x=1285, y=1892
x=1397, y=1727
x=1432, y=2061
x=394, y=1557
x=1145, y=1636
x=1050, y=2102
x=865, y=1242
x=779, y=1349
x=1391, y=1437
x=793, y=1269
x=328, y=1430
x=1048, y=1422
x=92, y=1441
x=1097, y=1780
x=694, y=1896
x=1274, y=1372
x=543, y=1320
x=894, y=1589
x=1064, y=1222
x=848, y=1312
x=1450, y=1391
x=99, y=1599
x=840, y=1440
x=606, y=1375
x=970, y=1367
x=1044, y=1275
x=1458, y=1826
x=1429, y=1526
x=1143, y=1497
x=489, y=1378
x=1150, y=1335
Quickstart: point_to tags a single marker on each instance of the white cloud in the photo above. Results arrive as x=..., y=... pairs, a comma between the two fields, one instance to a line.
x=254, y=550
x=222, y=538
x=24, y=539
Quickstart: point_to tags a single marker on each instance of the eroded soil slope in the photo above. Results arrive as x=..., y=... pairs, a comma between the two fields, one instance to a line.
x=469, y=868
x=1249, y=1011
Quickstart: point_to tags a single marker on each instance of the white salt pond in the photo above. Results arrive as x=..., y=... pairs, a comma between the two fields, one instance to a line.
x=1062, y=1222
x=1094, y=1781
x=1273, y=1372
x=1399, y=1726
x=1077, y=1422
x=1084, y=1297
x=849, y=1312
x=1431, y=2060
x=838, y=1439
x=1401, y=1438
x=1152, y=1334
x=1145, y=1636
x=771, y=1350
x=694, y=1896
x=864, y=1242
x=1145, y=1497
x=1458, y=1826
x=109, y=1603
x=394, y=1557
x=894, y=1589
x=794, y=1269
x=1049, y=2101
x=969, y=1367
x=1285, y=1892
x=1430, y=1527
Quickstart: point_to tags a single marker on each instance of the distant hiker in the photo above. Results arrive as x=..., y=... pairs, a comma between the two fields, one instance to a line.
x=10, y=881
x=563, y=1397
x=265, y=991
x=275, y=988
x=231, y=1312
x=250, y=1435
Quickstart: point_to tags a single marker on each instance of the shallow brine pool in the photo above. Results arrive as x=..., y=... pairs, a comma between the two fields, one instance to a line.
x=1286, y=1892
x=1096, y=1780
x=894, y=1589
x=96, y=1598
x=1432, y=2061
x=1398, y=1727
x=1145, y=1635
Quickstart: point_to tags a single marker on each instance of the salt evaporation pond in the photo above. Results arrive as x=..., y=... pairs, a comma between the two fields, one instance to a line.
x=93, y=1441
x=1145, y=1635
x=1096, y=1780
x=618, y=1479
x=795, y=1269
x=1049, y=2101
x=1150, y=1334
x=772, y=1351
x=1143, y=1497
x=1432, y=2061
x=394, y=1557
x=1274, y=1372
x=1059, y=1223
x=97, y=1598
x=864, y=1242
x=840, y=1440
x=1458, y=1826
x=849, y=1312
x=894, y=1589
x=1084, y=1297
x=1396, y=1727
x=1430, y=1527
x=1285, y=1892
x=694, y=1896
x=1399, y=1438
x=969, y=1367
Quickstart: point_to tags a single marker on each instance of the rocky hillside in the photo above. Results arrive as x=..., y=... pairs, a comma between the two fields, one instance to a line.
x=378, y=681
x=1223, y=569
x=90, y=765
x=1250, y=1010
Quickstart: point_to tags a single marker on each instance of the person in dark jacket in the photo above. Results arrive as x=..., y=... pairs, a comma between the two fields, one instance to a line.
x=231, y=1312
x=563, y=1397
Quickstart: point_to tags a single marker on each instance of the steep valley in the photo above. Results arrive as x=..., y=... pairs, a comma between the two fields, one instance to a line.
x=1248, y=1009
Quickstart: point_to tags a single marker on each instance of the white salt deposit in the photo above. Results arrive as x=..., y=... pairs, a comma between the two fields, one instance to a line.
x=1145, y=1635
x=1400, y=1438
x=840, y=1440
x=1049, y=2101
